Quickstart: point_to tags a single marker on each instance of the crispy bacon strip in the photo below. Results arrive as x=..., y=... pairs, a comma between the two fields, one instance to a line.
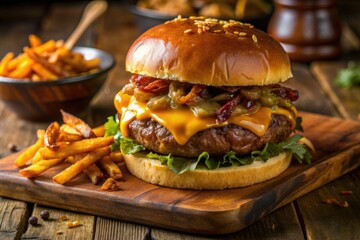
x=157, y=86
x=193, y=95
x=223, y=113
x=141, y=81
x=149, y=84
x=286, y=92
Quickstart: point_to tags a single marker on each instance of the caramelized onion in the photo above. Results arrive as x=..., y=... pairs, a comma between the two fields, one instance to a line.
x=223, y=113
x=193, y=96
x=159, y=102
x=205, y=108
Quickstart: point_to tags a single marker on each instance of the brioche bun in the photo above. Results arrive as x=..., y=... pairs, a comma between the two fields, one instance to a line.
x=228, y=54
x=153, y=172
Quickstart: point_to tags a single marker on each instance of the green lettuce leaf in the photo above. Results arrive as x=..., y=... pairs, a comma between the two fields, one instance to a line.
x=127, y=145
x=112, y=129
x=231, y=157
x=299, y=151
x=180, y=165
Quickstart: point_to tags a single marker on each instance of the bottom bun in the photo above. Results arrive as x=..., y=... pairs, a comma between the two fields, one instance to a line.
x=152, y=171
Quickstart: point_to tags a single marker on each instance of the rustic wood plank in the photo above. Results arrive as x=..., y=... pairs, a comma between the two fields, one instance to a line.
x=338, y=149
x=112, y=229
x=56, y=228
x=311, y=97
x=281, y=224
x=13, y=218
x=346, y=100
x=329, y=221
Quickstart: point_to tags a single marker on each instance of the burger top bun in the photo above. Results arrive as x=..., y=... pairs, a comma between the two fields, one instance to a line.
x=210, y=52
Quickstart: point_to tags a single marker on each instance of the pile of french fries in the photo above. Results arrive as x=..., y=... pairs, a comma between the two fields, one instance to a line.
x=87, y=151
x=46, y=61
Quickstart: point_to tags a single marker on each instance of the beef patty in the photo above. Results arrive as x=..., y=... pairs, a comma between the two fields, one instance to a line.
x=216, y=141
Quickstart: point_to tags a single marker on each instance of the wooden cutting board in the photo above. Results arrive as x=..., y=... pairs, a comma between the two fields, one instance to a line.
x=211, y=212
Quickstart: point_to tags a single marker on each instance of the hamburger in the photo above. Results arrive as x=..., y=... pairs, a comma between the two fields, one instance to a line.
x=204, y=108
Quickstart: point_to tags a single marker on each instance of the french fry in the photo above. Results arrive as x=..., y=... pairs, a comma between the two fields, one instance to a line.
x=61, y=52
x=37, y=158
x=4, y=62
x=43, y=73
x=35, y=170
x=30, y=152
x=34, y=41
x=16, y=61
x=76, y=168
x=93, y=172
x=116, y=156
x=111, y=168
x=92, y=63
x=35, y=77
x=86, y=145
x=51, y=135
x=99, y=131
x=69, y=137
x=48, y=46
x=83, y=128
x=68, y=129
x=52, y=67
x=110, y=185
x=23, y=70
x=76, y=63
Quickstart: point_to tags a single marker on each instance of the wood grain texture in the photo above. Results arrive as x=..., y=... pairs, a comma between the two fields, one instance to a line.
x=57, y=229
x=338, y=150
x=311, y=97
x=108, y=229
x=282, y=224
x=13, y=218
x=346, y=100
x=328, y=221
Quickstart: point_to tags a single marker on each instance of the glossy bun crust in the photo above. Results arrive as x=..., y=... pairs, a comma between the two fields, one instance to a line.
x=209, y=52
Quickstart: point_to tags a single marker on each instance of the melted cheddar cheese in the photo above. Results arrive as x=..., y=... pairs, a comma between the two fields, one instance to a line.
x=183, y=124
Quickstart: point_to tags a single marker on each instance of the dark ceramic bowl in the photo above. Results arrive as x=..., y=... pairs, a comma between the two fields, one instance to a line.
x=147, y=18
x=42, y=101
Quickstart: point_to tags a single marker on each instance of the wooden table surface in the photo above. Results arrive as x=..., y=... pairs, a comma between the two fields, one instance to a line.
x=304, y=218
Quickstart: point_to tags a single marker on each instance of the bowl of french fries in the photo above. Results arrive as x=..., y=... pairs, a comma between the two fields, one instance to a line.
x=47, y=77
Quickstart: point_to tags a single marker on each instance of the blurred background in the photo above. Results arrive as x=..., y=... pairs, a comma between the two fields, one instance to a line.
x=296, y=22
x=310, y=30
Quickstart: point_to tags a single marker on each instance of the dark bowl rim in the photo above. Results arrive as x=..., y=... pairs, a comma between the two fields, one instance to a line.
x=7, y=80
x=161, y=16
